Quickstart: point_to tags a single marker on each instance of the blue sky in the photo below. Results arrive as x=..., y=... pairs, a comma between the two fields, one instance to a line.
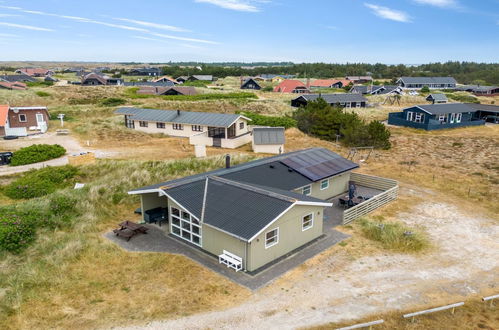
x=333, y=31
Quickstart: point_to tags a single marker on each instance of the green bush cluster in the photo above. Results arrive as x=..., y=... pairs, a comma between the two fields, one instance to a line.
x=36, y=183
x=112, y=101
x=197, y=83
x=393, y=236
x=37, y=153
x=42, y=94
x=273, y=121
x=320, y=119
x=39, y=83
x=463, y=98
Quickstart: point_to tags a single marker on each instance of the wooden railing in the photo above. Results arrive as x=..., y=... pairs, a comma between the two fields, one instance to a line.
x=390, y=192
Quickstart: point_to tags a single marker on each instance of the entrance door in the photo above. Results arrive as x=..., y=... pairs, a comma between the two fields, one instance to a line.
x=40, y=119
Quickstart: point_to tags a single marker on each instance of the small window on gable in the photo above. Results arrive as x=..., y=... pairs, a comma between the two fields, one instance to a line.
x=324, y=184
x=307, y=190
x=271, y=238
x=22, y=118
x=307, y=222
x=241, y=125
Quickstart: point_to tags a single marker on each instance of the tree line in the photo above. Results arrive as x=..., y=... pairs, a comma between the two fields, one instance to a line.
x=463, y=72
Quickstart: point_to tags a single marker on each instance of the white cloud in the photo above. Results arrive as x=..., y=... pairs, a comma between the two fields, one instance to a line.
x=387, y=13
x=239, y=5
x=9, y=15
x=438, y=3
x=117, y=26
x=26, y=27
x=153, y=25
x=7, y=35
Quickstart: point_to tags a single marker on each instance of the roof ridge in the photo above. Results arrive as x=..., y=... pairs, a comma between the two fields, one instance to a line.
x=252, y=188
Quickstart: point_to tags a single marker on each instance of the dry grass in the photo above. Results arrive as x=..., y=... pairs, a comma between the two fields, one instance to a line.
x=475, y=314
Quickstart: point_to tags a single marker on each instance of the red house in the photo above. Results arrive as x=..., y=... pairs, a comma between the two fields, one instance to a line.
x=35, y=72
x=23, y=121
x=291, y=86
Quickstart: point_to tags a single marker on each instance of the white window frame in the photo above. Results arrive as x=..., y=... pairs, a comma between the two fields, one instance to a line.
x=309, y=188
x=160, y=125
x=327, y=184
x=303, y=228
x=25, y=118
x=190, y=222
x=442, y=118
x=452, y=118
x=143, y=123
x=197, y=128
x=178, y=127
x=410, y=116
x=276, y=236
x=459, y=116
x=419, y=117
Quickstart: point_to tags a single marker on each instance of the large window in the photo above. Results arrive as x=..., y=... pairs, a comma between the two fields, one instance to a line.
x=143, y=123
x=324, y=184
x=160, y=125
x=452, y=118
x=419, y=117
x=458, y=117
x=178, y=127
x=307, y=222
x=197, y=128
x=185, y=226
x=307, y=190
x=271, y=238
x=410, y=116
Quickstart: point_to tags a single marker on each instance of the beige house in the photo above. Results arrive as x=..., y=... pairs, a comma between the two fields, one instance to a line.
x=251, y=214
x=202, y=128
x=268, y=140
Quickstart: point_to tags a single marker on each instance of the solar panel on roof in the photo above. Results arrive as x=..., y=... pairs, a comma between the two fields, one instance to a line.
x=319, y=164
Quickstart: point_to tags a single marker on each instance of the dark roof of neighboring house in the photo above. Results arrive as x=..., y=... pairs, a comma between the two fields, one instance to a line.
x=17, y=77
x=476, y=88
x=244, y=199
x=93, y=75
x=335, y=97
x=185, y=117
x=160, y=90
x=146, y=70
x=268, y=135
x=428, y=80
x=148, y=83
x=374, y=89
x=444, y=108
x=167, y=78
x=437, y=97
x=484, y=107
x=248, y=80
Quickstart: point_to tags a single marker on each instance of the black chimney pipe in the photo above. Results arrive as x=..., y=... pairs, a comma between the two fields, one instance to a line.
x=178, y=112
x=227, y=161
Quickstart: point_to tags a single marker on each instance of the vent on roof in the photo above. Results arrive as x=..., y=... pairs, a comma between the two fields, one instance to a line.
x=290, y=170
x=271, y=166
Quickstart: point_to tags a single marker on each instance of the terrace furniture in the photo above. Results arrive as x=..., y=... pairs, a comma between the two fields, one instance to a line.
x=231, y=260
x=343, y=202
x=128, y=229
x=156, y=215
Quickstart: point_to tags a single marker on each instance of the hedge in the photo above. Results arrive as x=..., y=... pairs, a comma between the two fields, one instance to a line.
x=37, y=183
x=37, y=153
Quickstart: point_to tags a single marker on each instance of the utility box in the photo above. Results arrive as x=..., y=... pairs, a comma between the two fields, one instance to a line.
x=200, y=151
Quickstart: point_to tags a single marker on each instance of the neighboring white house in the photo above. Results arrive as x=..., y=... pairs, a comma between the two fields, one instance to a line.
x=269, y=140
x=202, y=128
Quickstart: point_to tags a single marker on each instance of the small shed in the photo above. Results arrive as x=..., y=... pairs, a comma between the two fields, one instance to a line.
x=269, y=140
x=437, y=98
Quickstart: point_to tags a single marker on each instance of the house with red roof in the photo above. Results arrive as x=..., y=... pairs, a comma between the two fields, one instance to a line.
x=291, y=86
x=16, y=85
x=23, y=121
x=35, y=72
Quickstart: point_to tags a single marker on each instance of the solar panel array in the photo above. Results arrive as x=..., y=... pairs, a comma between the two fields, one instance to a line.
x=318, y=164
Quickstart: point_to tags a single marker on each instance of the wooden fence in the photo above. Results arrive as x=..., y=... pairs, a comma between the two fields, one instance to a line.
x=390, y=192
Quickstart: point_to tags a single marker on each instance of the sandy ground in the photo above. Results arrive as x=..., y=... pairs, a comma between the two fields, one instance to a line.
x=332, y=287
x=70, y=143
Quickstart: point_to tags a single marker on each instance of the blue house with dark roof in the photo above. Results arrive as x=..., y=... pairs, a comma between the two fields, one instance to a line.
x=255, y=213
x=437, y=116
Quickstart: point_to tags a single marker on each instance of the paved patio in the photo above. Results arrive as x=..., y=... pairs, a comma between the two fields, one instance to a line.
x=156, y=240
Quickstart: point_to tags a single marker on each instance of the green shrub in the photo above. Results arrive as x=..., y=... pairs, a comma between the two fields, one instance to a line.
x=37, y=153
x=425, y=90
x=61, y=205
x=15, y=234
x=463, y=98
x=274, y=121
x=112, y=101
x=39, y=83
x=42, y=94
x=36, y=183
x=393, y=236
x=197, y=83
x=268, y=89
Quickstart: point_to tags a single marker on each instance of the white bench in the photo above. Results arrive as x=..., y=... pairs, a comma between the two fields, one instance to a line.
x=231, y=260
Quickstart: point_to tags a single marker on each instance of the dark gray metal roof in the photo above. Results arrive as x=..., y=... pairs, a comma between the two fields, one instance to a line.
x=16, y=77
x=268, y=135
x=444, y=108
x=437, y=97
x=484, y=107
x=428, y=80
x=319, y=164
x=206, y=77
x=335, y=97
x=148, y=83
x=185, y=117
